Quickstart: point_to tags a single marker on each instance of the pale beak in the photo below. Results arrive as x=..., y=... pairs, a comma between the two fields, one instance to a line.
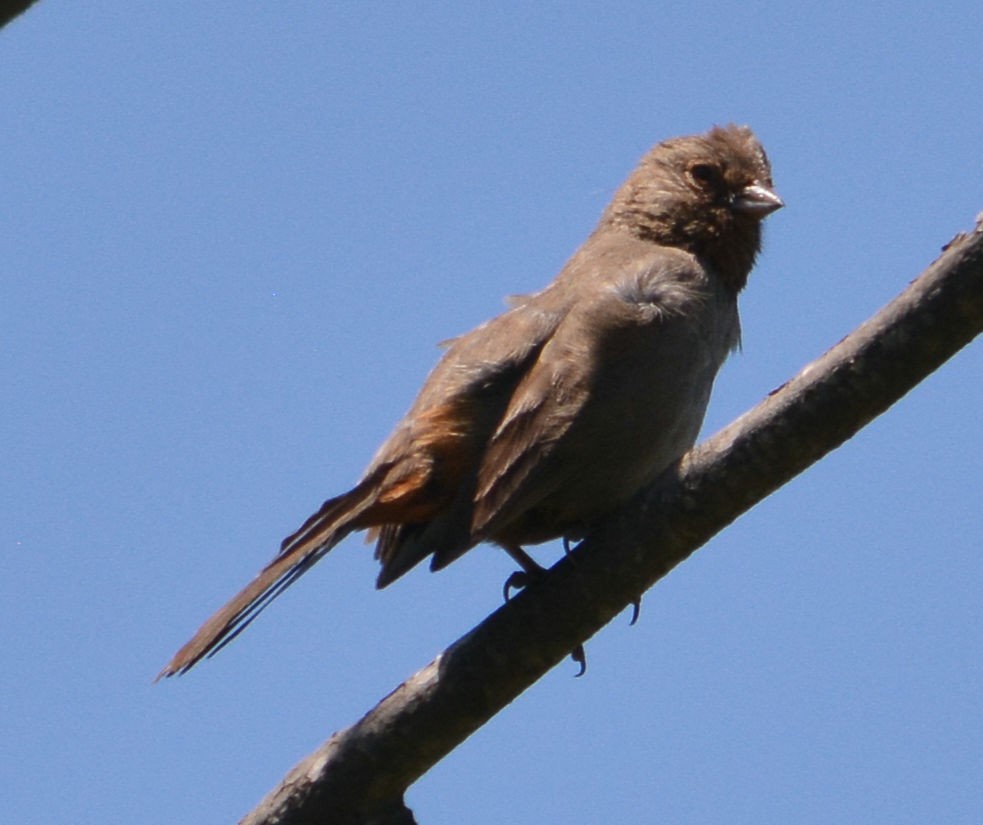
x=756, y=201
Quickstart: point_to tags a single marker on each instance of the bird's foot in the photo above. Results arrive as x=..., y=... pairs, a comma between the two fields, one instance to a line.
x=532, y=570
x=636, y=605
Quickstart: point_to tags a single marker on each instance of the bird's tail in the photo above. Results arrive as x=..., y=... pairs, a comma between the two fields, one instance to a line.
x=299, y=552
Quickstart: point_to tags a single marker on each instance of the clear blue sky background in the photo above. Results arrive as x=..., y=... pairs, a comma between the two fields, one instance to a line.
x=232, y=235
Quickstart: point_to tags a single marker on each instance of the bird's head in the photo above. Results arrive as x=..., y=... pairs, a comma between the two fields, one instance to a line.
x=704, y=193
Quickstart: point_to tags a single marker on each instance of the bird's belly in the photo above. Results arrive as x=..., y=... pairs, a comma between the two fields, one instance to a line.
x=622, y=439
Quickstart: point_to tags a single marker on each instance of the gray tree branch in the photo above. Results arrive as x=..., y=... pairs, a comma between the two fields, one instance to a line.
x=14, y=9
x=359, y=775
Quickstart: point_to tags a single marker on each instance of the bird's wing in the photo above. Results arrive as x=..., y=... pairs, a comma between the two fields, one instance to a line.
x=541, y=411
x=435, y=451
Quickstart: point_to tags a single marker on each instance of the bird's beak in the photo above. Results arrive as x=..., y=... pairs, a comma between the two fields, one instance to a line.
x=756, y=201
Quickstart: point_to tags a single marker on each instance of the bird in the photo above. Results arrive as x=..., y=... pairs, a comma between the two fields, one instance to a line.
x=551, y=415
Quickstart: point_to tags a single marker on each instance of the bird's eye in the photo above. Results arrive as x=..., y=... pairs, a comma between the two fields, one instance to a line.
x=705, y=174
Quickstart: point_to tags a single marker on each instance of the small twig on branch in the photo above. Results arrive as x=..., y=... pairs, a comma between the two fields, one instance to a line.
x=359, y=775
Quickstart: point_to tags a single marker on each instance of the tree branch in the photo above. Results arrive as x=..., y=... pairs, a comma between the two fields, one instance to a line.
x=359, y=775
x=14, y=9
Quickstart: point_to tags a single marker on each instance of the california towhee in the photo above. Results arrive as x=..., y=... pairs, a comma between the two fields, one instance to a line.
x=555, y=412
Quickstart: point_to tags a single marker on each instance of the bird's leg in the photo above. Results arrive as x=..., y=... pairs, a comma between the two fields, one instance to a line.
x=532, y=570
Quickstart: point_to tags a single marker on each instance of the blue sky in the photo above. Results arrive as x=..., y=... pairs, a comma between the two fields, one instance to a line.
x=231, y=241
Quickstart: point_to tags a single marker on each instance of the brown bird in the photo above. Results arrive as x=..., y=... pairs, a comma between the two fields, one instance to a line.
x=552, y=414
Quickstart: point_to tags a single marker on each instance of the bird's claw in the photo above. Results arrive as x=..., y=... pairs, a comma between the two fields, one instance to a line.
x=580, y=657
x=636, y=608
x=516, y=581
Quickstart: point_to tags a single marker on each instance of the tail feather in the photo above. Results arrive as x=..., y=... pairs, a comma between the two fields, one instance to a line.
x=299, y=552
